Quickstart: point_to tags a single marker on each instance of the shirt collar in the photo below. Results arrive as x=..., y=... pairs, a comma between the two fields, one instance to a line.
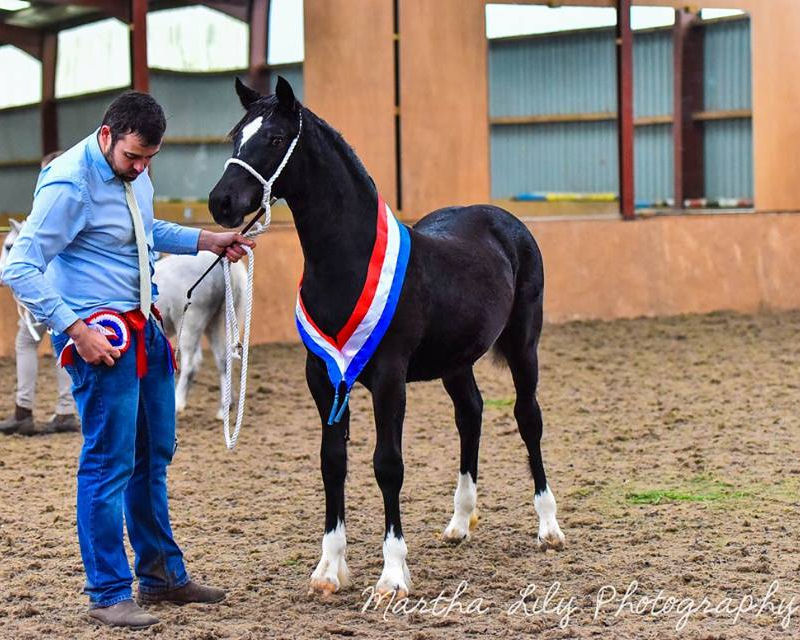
x=99, y=160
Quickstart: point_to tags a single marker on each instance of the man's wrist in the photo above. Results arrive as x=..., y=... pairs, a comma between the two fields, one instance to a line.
x=76, y=329
x=202, y=240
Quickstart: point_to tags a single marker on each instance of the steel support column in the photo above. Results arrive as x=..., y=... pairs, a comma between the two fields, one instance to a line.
x=625, y=108
x=258, y=69
x=687, y=134
x=49, y=113
x=140, y=74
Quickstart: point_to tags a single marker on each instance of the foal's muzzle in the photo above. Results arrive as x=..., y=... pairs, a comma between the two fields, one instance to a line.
x=233, y=197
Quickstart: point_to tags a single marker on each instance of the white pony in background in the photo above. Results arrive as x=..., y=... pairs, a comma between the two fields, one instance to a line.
x=27, y=317
x=174, y=274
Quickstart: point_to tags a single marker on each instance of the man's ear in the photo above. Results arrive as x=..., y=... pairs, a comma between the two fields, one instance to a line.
x=285, y=94
x=246, y=95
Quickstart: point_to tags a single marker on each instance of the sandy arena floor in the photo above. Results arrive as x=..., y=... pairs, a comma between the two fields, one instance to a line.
x=671, y=446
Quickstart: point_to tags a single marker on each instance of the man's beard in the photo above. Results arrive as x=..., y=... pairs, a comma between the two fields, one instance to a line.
x=109, y=156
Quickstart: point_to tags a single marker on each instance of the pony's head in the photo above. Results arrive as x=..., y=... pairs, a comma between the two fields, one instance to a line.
x=8, y=242
x=261, y=140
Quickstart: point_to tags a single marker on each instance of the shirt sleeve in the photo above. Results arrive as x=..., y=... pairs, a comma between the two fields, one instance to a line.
x=58, y=215
x=169, y=237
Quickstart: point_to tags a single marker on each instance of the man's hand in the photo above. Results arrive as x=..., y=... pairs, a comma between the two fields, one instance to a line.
x=227, y=242
x=92, y=345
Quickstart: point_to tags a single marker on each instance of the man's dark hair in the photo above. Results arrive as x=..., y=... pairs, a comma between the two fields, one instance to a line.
x=138, y=113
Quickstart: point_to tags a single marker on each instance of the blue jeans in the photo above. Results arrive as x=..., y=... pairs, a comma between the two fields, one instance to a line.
x=128, y=440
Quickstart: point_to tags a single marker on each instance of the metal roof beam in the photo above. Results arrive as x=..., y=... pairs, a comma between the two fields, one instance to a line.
x=29, y=40
x=120, y=9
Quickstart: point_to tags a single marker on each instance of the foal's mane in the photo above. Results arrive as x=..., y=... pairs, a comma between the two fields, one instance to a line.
x=266, y=106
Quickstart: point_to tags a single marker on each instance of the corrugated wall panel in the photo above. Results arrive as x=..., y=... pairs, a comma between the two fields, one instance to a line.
x=653, y=74
x=196, y=106
x=578, y=156
x=20, y=134
x=653, y=77
x=726, y=59
x=78, y=117
x=653, y=163
x=729, y=159
x=529, y=76
x=188, y=172
x=16, y=188
x=180, y=95
x=201, y=105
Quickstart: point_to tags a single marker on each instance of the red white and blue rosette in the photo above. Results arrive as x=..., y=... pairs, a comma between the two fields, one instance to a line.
x=109, y=323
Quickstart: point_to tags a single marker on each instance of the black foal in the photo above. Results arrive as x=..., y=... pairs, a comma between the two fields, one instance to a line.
x=384, y=305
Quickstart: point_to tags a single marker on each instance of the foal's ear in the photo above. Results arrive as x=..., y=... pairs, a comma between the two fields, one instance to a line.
x=285, y=94
x=14, y=224
x=246, y=95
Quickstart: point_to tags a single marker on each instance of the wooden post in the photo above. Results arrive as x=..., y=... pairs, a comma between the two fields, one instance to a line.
x=625, y=108
x=687, y=134
x=259, y=45
x=140, y=75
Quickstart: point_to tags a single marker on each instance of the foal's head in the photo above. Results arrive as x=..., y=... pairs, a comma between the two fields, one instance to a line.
x=261, y=139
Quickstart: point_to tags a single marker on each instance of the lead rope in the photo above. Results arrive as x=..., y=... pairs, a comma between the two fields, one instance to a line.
x=25, y=316
x=231, y=326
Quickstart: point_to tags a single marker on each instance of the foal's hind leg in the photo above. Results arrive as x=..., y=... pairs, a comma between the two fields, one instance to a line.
x=468, y=406
x=524, y=369
x=331, y=573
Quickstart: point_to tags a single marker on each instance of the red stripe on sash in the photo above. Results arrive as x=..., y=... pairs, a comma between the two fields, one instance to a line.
x=370, y=285
x=373, y=276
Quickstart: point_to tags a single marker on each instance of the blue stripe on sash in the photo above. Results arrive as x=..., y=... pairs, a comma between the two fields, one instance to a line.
x=334, y=374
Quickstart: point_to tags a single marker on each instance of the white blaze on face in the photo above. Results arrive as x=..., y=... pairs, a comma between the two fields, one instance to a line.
x=249, y=130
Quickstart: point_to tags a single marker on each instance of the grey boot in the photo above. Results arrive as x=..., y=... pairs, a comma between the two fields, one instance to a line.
x=123, y=614
x=21, y=422
x=64, y=422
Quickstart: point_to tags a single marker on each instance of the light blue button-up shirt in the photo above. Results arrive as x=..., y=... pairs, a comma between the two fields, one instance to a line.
x=76, y=252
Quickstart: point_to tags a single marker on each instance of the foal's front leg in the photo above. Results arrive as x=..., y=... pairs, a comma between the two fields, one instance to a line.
x=389, y=404
x=331, y=573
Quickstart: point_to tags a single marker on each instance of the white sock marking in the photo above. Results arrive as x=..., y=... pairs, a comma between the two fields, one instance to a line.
x=332, y=567
x=464, y=502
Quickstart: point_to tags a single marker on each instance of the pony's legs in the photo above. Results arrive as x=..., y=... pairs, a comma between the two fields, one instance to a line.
x=331, y=573
x=518, y=343
x=216, y=338
x=468, y=404
x=191, y=357
x=389, y=405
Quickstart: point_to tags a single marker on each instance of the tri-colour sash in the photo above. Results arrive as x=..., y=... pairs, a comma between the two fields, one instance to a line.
x=348, y=353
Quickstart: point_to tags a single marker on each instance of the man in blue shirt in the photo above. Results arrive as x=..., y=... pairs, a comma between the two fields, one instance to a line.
x=87, y=247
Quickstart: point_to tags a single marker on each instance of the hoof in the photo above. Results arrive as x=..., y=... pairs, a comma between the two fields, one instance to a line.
x=323, y=587
x=220, y=415
x=457, y=533
x=397, y=591
x=553, y=540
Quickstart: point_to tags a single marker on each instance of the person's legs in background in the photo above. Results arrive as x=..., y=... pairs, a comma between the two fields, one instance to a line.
x=27, y=368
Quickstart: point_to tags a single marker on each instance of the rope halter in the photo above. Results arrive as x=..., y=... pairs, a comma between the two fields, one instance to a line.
x=267, y=184
x=232, y=343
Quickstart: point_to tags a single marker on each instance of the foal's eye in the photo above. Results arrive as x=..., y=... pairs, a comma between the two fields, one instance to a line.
x=276, y=141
